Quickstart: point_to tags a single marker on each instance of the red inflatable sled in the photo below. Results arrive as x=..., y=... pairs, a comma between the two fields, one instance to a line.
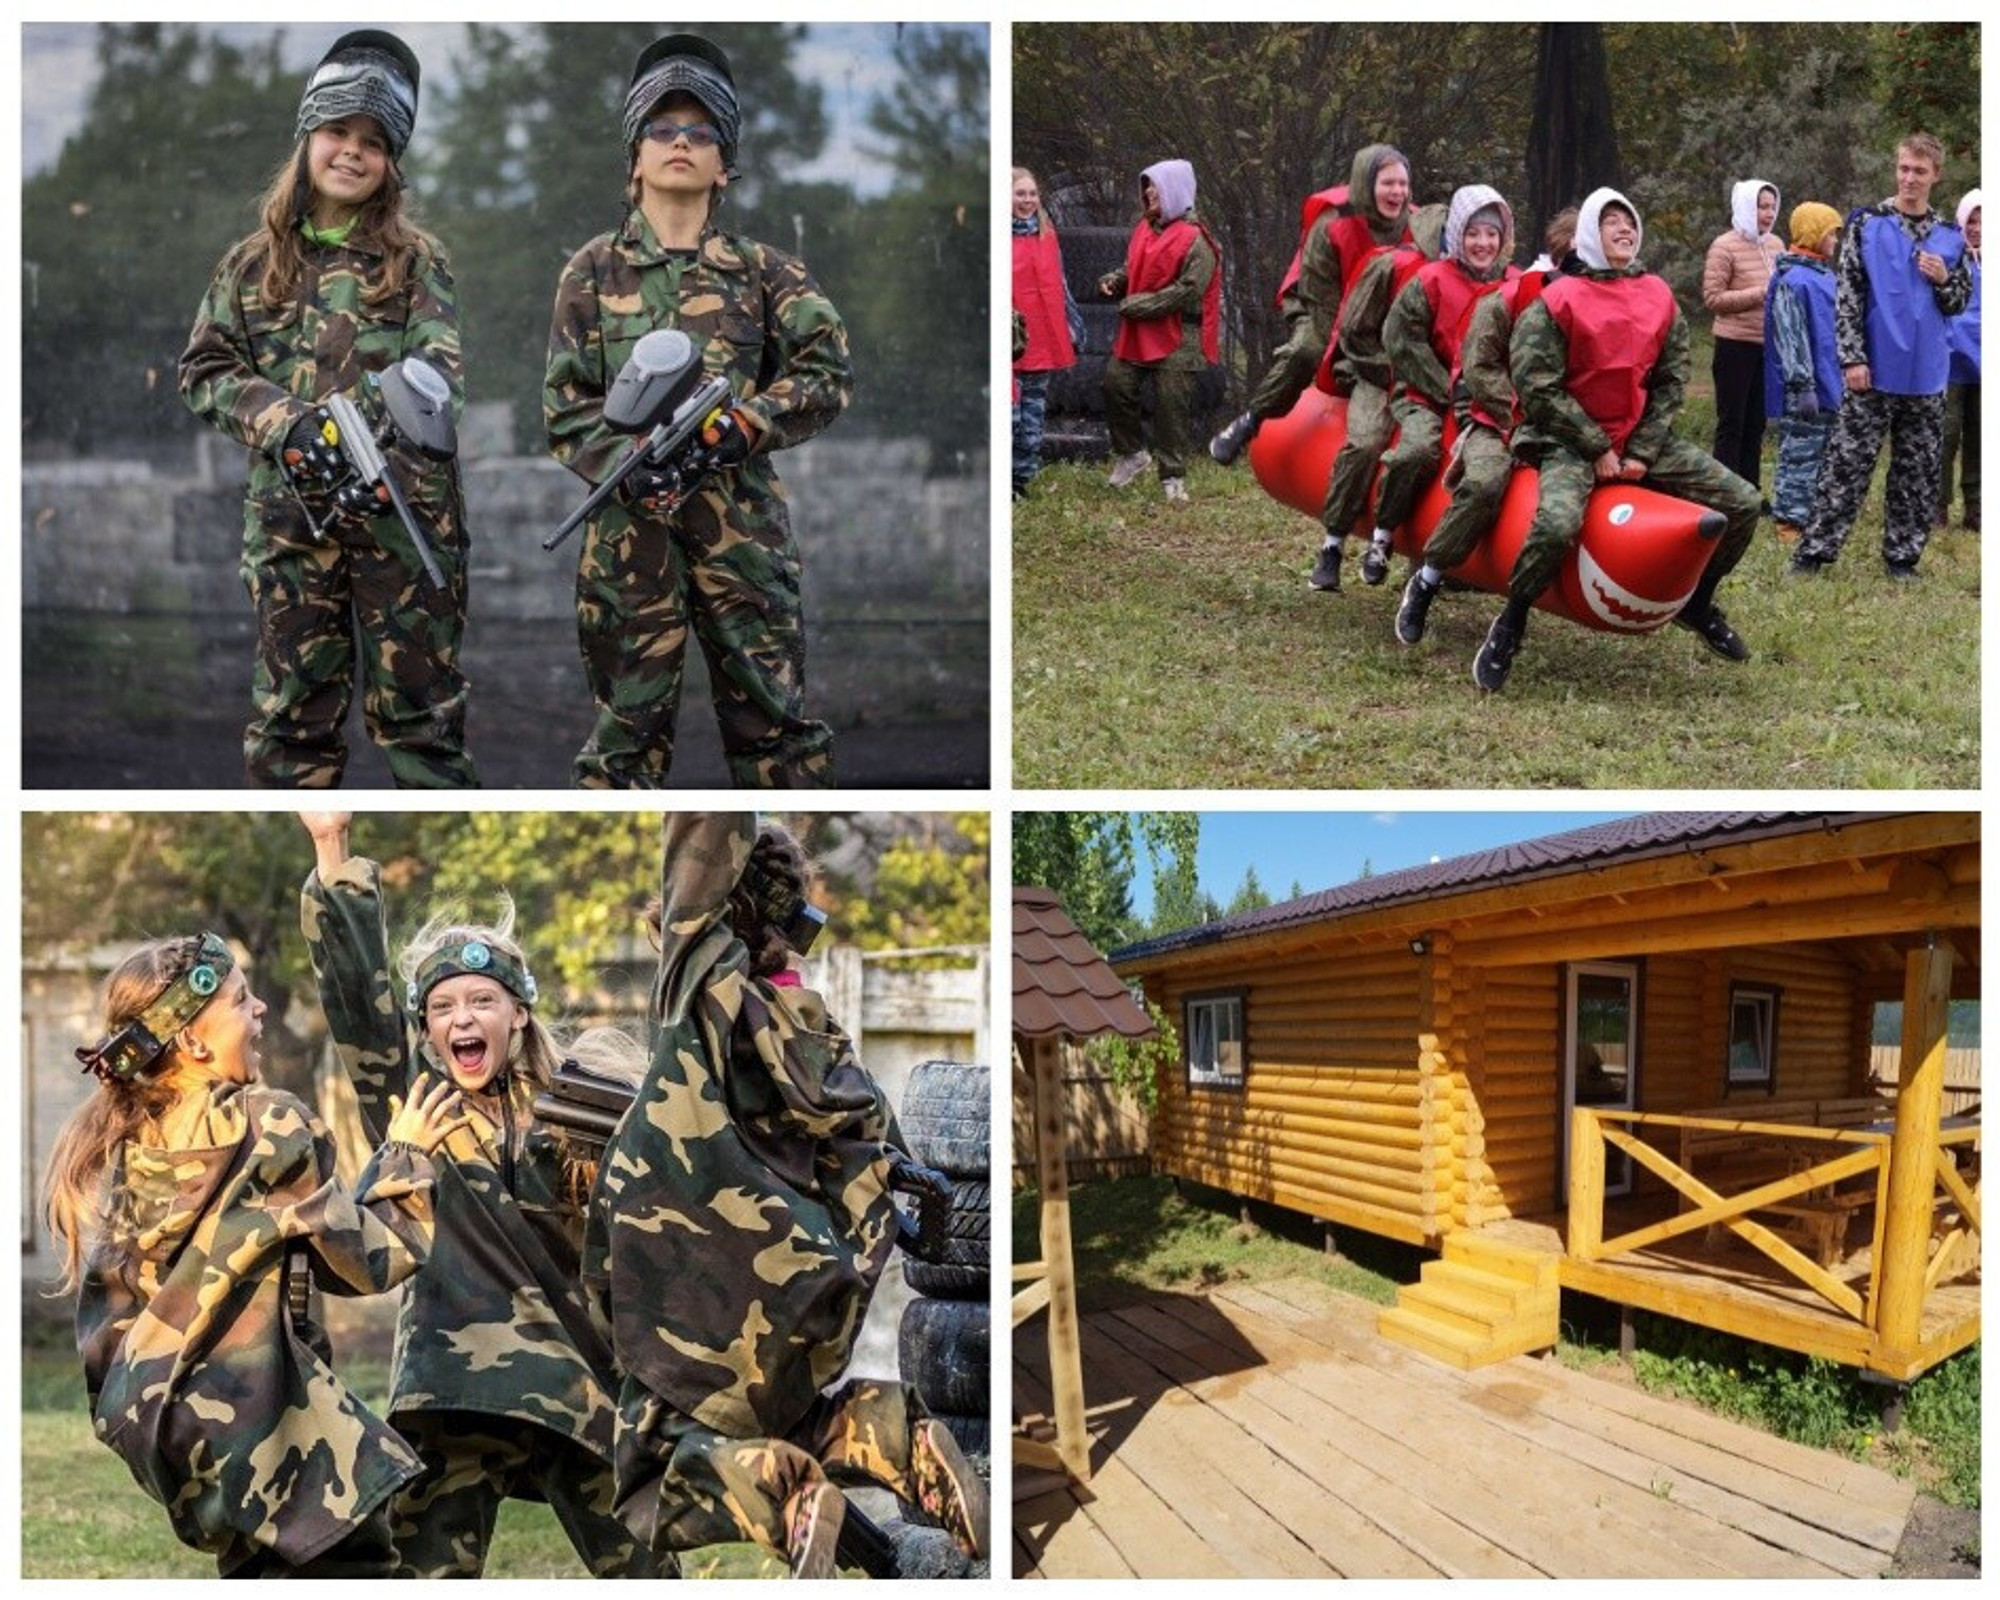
x=1639, y=559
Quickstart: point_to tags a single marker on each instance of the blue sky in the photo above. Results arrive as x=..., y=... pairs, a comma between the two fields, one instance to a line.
x=1322, y=849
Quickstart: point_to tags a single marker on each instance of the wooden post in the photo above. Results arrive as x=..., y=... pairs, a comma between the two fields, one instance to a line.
x=1586, y=1184
x=1065, y=1334
x=1906, y=1232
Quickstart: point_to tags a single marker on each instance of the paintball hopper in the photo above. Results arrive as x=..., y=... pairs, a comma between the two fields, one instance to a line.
x=417, y=403
x=663, y=371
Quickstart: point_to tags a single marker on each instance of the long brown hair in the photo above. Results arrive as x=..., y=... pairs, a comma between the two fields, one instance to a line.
x=384, y=224
x=73, y=1187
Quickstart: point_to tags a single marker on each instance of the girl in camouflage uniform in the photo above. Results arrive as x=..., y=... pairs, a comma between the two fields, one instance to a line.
x=200, y=1216
x=502, y=1380
x=752, y=1175
x=724, y=564
x=335, y=285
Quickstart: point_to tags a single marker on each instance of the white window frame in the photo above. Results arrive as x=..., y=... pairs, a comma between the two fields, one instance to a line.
x=1764, y=997
x=1207, y=1022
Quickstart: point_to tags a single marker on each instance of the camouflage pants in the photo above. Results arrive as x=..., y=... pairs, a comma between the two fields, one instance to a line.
x=311, y=599
x=368, y=1552
x=1683, y=470
x=728, y=571
x=1961, y=448
x=1484, y=469
x=1030, y=412
x=1801, y=450
x=1173, y=411
x=1412, y=460
x=1368, y=428
x=1289, y=375
x=444, y=1520
x=1915, y=426
x=717, y=1490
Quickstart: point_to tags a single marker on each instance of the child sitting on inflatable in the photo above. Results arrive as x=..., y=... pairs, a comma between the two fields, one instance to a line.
x=1421, y=337
x=1600, y=363
x=1482, y=392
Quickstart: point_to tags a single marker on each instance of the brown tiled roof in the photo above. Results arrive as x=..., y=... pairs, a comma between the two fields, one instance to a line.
x=1061, y=984
x=1580, y=850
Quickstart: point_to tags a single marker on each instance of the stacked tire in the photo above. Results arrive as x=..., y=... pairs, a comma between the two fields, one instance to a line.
x=945, y=1341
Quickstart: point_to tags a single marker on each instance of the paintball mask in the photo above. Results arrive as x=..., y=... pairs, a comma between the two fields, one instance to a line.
x=369, y=73
x=782, y=904
x=142, y=1041
x=684, y=63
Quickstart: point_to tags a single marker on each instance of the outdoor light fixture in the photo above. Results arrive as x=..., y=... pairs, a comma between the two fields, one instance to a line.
x=1420, y=946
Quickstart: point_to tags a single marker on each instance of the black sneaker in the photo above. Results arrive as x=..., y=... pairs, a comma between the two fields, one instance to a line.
x=1227, y=445
x=1374, y=564
x=1417, y=598
x=1326, y=571
x=1715, y=632
x=1496, y=656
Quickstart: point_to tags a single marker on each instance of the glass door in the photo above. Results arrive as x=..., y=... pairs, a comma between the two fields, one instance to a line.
x=1601, y=1045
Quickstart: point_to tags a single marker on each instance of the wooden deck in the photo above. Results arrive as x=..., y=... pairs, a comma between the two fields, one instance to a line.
x=1269, y=1432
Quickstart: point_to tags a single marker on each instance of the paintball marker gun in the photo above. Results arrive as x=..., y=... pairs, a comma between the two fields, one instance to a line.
x=661, y=394
x=346, y=463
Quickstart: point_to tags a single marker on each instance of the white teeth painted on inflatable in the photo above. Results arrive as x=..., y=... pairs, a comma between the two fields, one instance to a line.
x=1640, y=556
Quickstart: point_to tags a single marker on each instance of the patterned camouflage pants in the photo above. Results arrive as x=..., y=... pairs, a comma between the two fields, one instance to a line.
x=1484, y=468
x=1368, y=428
x=311, y=600
x=368, y=1552
x=1030, y=411
x=728, y=572
x=1683, y=470
x=717, y=1489
x=444, y=1520
x=1173, y=411
x=1915, y=426
x=1961, y=449
x=1412, y=461
x=1801, y=450
x=1289, y=375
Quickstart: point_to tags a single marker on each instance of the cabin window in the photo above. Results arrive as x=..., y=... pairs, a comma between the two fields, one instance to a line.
x=1753, y=1036
x=1214, y=1037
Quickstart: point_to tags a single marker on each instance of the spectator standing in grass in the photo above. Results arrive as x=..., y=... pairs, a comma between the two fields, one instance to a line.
x=1045, y=315
x=1734, y=281
x=1961, y=399
x=1802, y=382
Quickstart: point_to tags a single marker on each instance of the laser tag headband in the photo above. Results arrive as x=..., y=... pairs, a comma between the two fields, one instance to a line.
x=369, y=73
x=147, y=1037
x=685, y=63
x=480, y=960
x=780, y=902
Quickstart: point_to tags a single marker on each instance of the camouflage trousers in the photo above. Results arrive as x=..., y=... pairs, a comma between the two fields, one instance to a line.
x=1412, y=461
x=472, y=1461
x=1915, y=426
x=1031, y=410
x=1801, y=450
x=1961, y=449
x=1683, y=470
x=368, y=1552
x=312, y=600
x=1173, y=412
x=728, y=572
x=1479, y=478
x=1289, y=375
x=1368, y=428
x=717, y=1490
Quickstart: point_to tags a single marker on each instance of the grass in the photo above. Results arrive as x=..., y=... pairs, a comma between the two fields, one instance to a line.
x=82, y=1516
x=1182, y=649
x=1133, y=1237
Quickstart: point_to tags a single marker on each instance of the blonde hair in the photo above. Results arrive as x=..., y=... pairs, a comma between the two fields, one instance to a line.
x=383, y=223
x=1041, y=211
x=74, y=1186
x=1922, y=144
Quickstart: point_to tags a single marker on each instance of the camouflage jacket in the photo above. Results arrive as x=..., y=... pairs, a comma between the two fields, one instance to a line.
x=499, y=1324
x=1487, y=379
x=253, y=372
x=751, y=1176
x=1539, y=360
x=756, y=314
x=220, y=1398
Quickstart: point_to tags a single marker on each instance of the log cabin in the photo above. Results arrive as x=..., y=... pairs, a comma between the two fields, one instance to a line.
x=1631, y=1060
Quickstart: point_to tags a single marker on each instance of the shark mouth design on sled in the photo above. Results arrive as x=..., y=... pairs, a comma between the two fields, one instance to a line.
x=1618, y=607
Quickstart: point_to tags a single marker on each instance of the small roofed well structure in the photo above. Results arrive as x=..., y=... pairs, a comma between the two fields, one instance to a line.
x=1064, y=993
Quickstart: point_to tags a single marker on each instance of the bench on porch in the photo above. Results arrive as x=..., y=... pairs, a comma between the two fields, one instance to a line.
x=1731, y=1161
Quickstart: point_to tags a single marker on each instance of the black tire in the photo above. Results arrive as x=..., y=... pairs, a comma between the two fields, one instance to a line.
x=947, y=1119
x=943, y=1348
x=964, y=1272
x=1078, y=391
x=1088, y=254
x=974, y=1436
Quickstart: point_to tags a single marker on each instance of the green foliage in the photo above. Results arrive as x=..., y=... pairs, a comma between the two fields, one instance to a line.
x=931, y=888
x=1249, y=896
x=1087, y=858
x=1930, y=82
x=1943, y=1411
x=1135, y=1065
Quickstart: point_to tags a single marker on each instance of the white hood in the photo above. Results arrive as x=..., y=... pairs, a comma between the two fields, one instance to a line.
x=1589, y=246
x=1743, y=207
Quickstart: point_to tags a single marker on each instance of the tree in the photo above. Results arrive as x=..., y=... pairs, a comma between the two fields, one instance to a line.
x=1087, y=857
x=1250, y=895
x=1367, y=870
x=1572, y=139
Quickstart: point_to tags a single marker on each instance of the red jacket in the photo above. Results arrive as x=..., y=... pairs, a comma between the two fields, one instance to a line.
x=1153, y=260
x=1038, y=296
x=1616, y=329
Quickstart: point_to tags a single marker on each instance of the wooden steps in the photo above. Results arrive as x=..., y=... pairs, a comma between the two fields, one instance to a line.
x=1478, y=1303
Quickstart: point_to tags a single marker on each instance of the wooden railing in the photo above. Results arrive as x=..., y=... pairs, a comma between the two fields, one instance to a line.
x=1857, y=1153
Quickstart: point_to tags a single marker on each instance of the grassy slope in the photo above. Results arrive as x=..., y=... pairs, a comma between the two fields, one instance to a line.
x=1158, y=649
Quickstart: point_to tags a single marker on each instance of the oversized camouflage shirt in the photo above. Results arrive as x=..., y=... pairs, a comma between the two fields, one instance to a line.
x=254, y=372
x=741, y=1216
x=223, y=1403
x=1539, y=361
x=756, y=315
x=499, y=1323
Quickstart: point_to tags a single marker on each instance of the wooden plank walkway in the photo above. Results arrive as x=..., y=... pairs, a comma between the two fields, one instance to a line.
x=1270, y=1432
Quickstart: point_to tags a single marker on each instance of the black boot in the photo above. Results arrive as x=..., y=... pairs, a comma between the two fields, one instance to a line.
x=1702, y=617
x=1496, y=656
x=1326, y=571
x=1227, y=445
x=1417, y=598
